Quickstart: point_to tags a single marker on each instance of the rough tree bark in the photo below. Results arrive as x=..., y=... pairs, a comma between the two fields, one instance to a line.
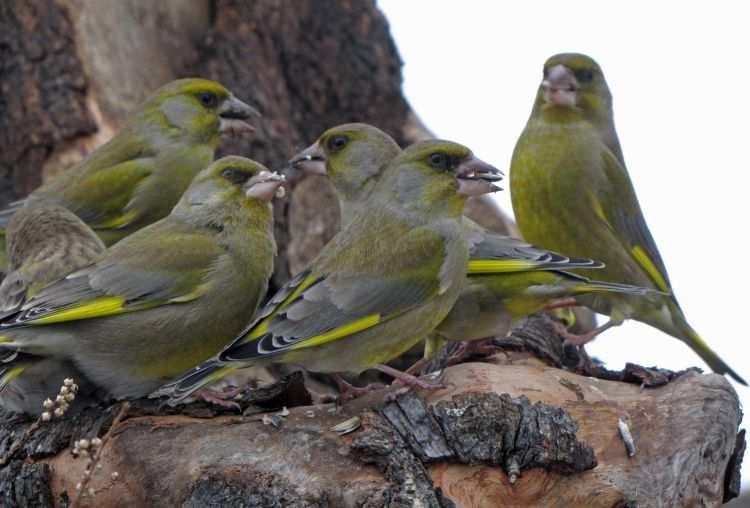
x=70, y=70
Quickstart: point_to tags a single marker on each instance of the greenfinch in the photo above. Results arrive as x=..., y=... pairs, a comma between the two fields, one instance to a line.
x=44, y=243
x=571, y=192
x=139, y=175
x=507, y=279
x=380, y=285
x=166, y=297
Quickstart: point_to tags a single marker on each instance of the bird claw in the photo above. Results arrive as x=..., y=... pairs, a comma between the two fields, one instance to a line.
x=220, y=398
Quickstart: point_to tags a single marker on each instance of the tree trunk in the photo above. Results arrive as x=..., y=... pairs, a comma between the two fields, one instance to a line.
x=509, y=432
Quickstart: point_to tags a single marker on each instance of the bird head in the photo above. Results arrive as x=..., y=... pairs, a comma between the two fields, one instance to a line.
x=573, y=81
x=232, y=179
x=200, y=109
x=435, y=173
x=352, y=156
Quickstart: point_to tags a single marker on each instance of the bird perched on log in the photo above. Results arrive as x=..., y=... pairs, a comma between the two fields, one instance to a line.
x=382, y=284
x=506, y=279
x=571, y=192
x=139, y=175
x=168, y=296
x=45, y=243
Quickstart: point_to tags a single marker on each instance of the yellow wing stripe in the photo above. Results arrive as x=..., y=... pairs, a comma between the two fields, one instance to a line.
x=11, y=374
x=118, y=222
x=599, y=209
x=262, y=327
x=104, y=306
x=340, y=332
x=499, y=266
x=642, y=258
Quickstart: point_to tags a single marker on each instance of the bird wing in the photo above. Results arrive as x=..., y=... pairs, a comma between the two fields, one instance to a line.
x=109, y=191
x=133, y=275
x=492, y=253
x=614, y=201
x=315, y=307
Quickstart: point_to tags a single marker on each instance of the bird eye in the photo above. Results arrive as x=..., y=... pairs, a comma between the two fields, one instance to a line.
x=336, y=143
x=440, y=160
x=208, y=99
x=235, y=176
x=584, y=75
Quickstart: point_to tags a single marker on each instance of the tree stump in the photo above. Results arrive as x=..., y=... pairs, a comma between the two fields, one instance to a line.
x=510, y=431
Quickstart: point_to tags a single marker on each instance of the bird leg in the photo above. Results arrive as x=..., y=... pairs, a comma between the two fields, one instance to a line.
x=348, y=391
x=468, y=348
x=408, y=379
x=576, y=339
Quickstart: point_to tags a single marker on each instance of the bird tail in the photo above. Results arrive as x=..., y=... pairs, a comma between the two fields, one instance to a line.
x=594, y=286
x=678, y=327
x=193, y=380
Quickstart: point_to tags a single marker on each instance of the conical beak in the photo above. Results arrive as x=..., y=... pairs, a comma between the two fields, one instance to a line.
x=560, y=86
x=232, y=115
x=476, y=177
x=265, y=186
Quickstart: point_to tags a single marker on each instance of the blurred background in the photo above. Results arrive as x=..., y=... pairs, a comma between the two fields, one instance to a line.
x=471, y=74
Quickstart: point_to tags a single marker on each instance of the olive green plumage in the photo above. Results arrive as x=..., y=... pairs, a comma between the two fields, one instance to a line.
x=44, y=243
x=571, y=192
x=139, y=175
x=506, y=279
x=167, y=297
x=380, y=285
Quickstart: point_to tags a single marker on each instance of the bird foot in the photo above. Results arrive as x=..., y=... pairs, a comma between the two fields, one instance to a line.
x=409, y=380
x=469, y=348
x=348, y=391
x=220, y=398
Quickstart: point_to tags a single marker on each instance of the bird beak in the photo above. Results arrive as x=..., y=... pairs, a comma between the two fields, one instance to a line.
x=310, y=161
x=265, y=186
x=232, y=115
x=560, y=86
x=476, y=177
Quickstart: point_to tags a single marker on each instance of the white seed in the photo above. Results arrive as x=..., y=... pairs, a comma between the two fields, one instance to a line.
x=48, y=404
x=68, y=382
x=83, y=444
x=59, y=412
x=64, y=390
x=46, y=416
x=115, y=475
x=96, y=442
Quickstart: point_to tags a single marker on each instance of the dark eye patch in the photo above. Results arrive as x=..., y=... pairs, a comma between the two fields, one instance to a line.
x=236, y=176
x=440, y=160
x=208, y=99
x=336, y=143
x=584, y=75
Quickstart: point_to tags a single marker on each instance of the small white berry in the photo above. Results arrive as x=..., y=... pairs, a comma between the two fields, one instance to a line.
x=96, y=442
x=46, y=416
x=48, y=404
x=68, y=382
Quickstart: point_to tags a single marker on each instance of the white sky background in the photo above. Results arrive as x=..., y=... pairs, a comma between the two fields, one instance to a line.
x=679, y=73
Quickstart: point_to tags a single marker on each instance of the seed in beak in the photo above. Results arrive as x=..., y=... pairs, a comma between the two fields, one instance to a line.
x=280, y=192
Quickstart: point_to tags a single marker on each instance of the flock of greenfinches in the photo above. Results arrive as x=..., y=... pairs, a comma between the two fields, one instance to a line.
x=143, y=270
